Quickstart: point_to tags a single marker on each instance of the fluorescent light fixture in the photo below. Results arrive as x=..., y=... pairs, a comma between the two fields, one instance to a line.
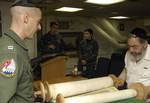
x=104, y=2
x=119, y=17
x=68, y=9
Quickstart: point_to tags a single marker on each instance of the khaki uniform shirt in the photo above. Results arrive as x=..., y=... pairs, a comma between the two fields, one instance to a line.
x=15, y=70
x=138, y=71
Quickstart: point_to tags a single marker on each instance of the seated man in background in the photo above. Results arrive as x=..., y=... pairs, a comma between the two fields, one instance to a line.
x=137, y=60
x=52, y=42
x=88, y=51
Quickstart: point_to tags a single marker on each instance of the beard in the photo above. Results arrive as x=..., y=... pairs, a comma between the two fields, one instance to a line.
x=138, y=56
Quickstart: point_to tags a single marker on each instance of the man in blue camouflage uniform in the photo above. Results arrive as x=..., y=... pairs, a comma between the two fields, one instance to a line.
x=51, y=42
x=88, y=51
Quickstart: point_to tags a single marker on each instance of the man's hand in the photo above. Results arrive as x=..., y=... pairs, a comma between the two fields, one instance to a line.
x=51, y=46
x=83, y=62
x=117, y=81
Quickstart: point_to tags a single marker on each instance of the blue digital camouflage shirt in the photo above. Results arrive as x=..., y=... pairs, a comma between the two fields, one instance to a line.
x=88, y=50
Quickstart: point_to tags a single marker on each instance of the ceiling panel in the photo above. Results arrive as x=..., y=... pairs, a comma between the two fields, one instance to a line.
x=132, y=8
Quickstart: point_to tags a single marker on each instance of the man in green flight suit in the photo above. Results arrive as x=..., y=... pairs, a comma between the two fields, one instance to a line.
x=15, y=70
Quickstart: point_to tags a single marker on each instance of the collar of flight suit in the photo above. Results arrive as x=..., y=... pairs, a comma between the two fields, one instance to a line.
x=16, y=38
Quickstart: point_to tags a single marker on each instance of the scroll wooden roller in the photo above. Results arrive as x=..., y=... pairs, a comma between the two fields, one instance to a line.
x=139, y=87
x=50, y=91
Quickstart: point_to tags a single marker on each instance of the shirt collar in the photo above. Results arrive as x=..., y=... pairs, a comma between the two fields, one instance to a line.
x=147, y=53
x=16, y=38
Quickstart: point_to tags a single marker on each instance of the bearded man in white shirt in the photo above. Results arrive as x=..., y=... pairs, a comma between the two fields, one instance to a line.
x=137, y=60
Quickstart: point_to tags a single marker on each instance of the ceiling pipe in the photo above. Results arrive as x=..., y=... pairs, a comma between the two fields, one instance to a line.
x=107, y=36
x=101, y=34
x=110, y=29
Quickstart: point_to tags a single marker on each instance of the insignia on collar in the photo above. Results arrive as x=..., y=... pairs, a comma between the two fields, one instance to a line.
x=10, y=47
x=7, y=68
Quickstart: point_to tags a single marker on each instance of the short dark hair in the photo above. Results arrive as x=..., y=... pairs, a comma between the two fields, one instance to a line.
x=53, y=23
x=89, y=30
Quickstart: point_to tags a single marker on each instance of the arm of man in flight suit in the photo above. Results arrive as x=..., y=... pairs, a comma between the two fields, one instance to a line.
x=15, y=82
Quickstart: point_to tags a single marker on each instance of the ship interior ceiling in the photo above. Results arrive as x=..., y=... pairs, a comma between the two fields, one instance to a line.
x=130, y=8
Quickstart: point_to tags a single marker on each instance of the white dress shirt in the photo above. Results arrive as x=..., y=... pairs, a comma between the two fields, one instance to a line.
x=138, y=71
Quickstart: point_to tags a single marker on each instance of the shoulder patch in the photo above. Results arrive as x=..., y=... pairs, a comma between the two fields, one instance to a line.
x=7, y=68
